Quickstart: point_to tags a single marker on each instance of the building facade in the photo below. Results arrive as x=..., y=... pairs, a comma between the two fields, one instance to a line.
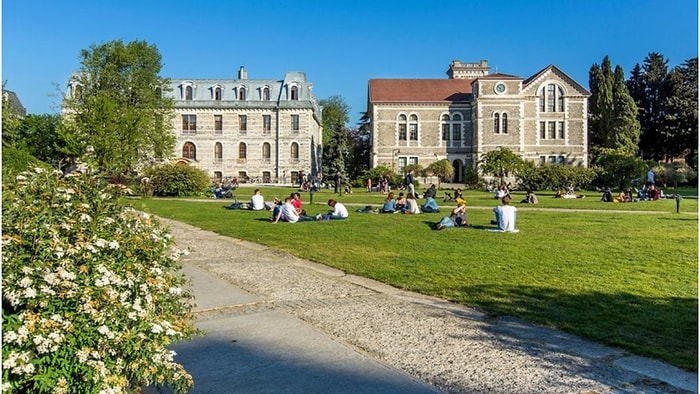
x=254, y=130
x=417, y=121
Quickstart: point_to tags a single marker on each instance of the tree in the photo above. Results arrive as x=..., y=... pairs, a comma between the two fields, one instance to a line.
x=442, y=169
x=613, y=120
x=360, y=140
x=648, y=85
x=119, y=109
x=10, y=120
x=618, y=168
x=335, y=137
x=500, y=163
x=682, y=111
x=40, y=136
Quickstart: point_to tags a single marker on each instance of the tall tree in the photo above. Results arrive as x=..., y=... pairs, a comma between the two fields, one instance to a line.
x=360, y=139
x=11, y=119
x=40, y=136
x=335, y=137
x=501, y=163
x=649, y=88
x=120, y=110
x=613, y=114
x=682, y=112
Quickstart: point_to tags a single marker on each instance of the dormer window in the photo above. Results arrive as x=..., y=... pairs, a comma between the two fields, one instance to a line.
x=241, y=93
x=266, y=94
x=188, y=93
x=294, y=93
x=217, y=93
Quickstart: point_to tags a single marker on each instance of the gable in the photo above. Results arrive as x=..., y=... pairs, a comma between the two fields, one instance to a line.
x=553, y=73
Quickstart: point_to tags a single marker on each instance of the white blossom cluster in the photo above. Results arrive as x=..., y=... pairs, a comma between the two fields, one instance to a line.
x=91, y=280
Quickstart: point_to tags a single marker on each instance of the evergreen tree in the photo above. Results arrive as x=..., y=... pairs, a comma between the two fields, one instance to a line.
x=624, y=133
x=335, y=137
x=682, y=112
x=649, y=88
x=120, y=110
x=612, y=122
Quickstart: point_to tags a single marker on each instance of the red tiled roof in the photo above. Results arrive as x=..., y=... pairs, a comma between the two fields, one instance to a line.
x=419, y=90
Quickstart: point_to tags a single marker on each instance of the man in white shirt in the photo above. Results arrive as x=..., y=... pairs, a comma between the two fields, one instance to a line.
x=289, y=213
x=339, y=211
x=257, y=201
x=505, y=216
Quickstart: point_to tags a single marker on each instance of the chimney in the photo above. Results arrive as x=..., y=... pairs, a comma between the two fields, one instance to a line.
x=242, y=73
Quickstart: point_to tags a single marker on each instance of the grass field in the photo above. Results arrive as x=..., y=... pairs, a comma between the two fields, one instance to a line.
x=621, y=274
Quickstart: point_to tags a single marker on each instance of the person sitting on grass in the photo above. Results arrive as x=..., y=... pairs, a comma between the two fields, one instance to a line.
x=276, y=210
x=257, y=201
x=289, y=213
x=530, y=198
x=505, y=216
x=400, y=202
x=459, y=197
x=389, y=204
x=411, y=207
x=338, y=212
x=458, y=218
x=430, y=206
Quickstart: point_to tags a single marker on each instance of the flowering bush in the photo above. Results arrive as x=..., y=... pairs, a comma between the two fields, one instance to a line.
x=91, y=290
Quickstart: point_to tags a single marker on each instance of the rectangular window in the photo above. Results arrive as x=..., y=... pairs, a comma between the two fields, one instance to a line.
x=456, y=132
x=218, y=124
x=402, y=132
x=189, y=124
x=543, y=130
x=560, y=130
x=552, y=159
x=413, y=131
x=267, y=124
x=561, y=160
x=243, y=123
x=402, y=164
x=543, y=159
x=295, y=123
x=413, y=160
x=445, y=132
x=552, y=132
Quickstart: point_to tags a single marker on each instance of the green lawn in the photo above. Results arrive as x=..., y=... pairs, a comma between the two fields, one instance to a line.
x=627, y=279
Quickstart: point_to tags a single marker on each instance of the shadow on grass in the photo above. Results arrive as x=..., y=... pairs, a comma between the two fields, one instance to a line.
x=661, y=328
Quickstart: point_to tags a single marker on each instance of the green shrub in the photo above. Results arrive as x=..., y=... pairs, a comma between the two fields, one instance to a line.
x=16, y=160
x=91, y=290
x=177, y=180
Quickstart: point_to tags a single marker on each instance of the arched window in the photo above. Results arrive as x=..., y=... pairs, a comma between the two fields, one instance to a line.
x=496, y=123
x=217, y=93
x=266, y=152
x=445, y=125
x=294, y=152
x=504, y=118
x=456, y=127
x=552, y=98
x=413, y=128
x=241, y=93
x=188, y=92
x=189, y=151
x=218, y=152
x=242, y=151
x=402, y=127
x=266, y=94
x=294, y=93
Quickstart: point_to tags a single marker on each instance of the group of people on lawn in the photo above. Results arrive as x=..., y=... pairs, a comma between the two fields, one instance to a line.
x=290, y=210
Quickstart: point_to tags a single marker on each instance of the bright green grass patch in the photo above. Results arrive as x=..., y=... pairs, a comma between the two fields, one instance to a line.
x=623, y=279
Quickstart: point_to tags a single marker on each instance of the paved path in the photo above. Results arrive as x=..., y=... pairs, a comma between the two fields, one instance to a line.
x=275, y=323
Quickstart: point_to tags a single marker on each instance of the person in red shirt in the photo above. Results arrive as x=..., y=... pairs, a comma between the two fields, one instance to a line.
x=296, y=202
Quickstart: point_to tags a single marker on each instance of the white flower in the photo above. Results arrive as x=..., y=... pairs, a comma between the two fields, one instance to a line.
x=30, y=292
x=101, y=243
x=21, y=178
x=156, y=328
x=82, y=355
x=175, y=290
x=26, y=282
x=114, y=245
x=108, y=220
x=84, y=217
x=38, y=170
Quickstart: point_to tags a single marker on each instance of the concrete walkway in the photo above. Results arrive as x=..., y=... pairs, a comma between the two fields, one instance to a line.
x=275, y=323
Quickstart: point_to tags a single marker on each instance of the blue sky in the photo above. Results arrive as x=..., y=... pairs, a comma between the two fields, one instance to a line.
x=340, y=45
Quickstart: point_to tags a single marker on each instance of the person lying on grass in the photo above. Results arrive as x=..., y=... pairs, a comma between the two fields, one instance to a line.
x=458, y=218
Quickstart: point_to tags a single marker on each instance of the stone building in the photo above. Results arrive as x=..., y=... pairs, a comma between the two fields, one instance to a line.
x=255, y=130
x=417, y=121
